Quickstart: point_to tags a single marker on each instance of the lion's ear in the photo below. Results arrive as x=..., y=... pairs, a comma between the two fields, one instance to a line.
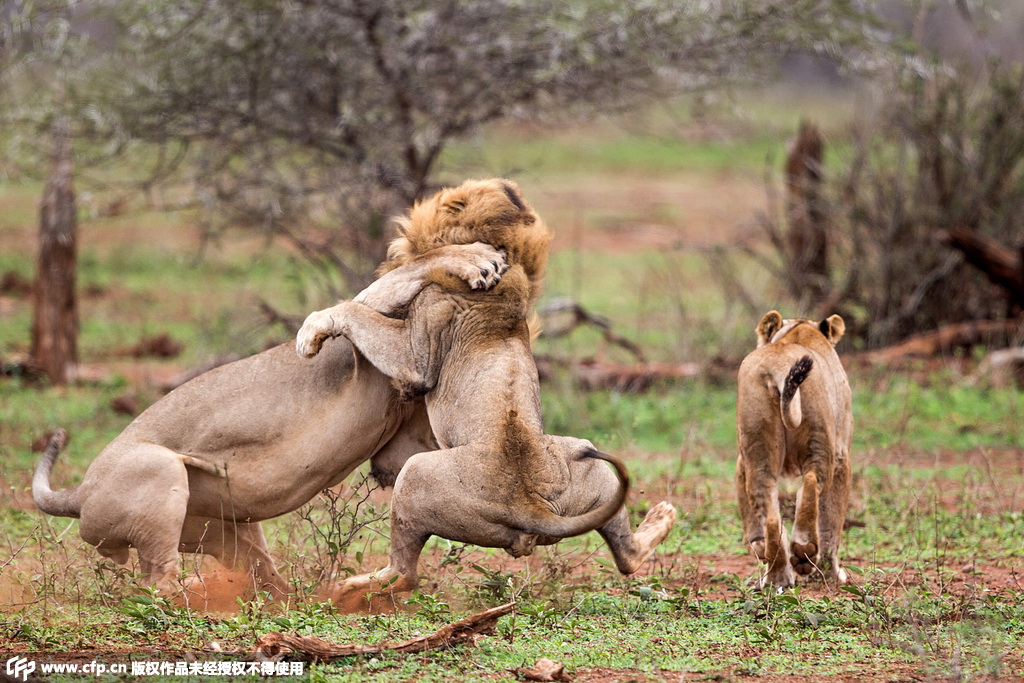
x=456, y=205
x=769, y=325
x=833, y=327
x=513, y=195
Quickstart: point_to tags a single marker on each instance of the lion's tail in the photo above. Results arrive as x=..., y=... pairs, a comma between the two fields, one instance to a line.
x=58, y=503
x=547, y=523
x=789, y=401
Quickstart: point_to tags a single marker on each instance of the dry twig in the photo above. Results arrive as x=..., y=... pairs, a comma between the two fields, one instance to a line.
x=580, y=316
x=275, y=646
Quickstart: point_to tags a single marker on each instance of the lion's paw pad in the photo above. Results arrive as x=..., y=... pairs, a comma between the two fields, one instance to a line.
x=657, y=523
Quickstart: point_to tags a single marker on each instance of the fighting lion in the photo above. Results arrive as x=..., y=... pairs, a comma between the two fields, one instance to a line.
x=794, y=418
x=497, y=479
x=202, y=467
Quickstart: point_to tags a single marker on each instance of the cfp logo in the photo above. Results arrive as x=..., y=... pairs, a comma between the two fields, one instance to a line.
x=20, y=666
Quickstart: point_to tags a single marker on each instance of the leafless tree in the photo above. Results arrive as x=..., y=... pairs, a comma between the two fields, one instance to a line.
x=318, y=120
x=923, y=222
x=948, y=172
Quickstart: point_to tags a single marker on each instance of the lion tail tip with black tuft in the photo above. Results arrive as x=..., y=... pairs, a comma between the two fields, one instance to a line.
x=792, y=413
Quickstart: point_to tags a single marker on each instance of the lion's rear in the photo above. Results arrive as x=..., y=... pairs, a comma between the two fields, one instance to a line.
x=793, y=419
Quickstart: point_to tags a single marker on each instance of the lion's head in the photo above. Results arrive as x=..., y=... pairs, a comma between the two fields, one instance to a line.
x=772, y=328
x=491, y=211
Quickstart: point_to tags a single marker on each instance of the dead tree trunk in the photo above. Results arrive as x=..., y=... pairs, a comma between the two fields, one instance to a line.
x=1003, y=267
x=806, y=237
x=55, y=317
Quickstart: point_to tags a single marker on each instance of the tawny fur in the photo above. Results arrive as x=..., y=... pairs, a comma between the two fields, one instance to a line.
x=794, y=418
x=498, y=479
x=491, y=211
x=201, y=467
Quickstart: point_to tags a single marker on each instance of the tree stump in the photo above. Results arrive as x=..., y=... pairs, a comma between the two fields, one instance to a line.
x=806, y=238
x=55, y=317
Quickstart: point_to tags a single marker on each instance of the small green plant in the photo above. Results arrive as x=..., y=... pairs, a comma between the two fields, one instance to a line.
x=336, y=519
x=653, y=596
x=541, y=614
x=430, y=606
x=310, y=618
x=496, y=586
x=149, y=611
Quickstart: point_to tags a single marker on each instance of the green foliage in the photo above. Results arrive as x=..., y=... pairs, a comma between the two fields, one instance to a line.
x=429, y=606
x=149, y=611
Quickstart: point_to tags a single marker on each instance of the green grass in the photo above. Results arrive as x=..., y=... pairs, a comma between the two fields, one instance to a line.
x=658, y=300
x=638, y=626
x=937, y=465
x=739, y=135
x=942, y=415
x=614, y=151
x=921, y=520
x=128, y=294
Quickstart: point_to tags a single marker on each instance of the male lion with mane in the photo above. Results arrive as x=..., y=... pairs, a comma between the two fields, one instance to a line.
x=254, y=439
x=498, y=480
x=794, y=418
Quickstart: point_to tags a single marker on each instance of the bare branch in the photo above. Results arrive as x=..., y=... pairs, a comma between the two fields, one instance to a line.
x=275, y=646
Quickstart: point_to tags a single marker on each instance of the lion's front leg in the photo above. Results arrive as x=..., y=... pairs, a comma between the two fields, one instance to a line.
x=384, y=341
x=479, y=265
x=367, y=591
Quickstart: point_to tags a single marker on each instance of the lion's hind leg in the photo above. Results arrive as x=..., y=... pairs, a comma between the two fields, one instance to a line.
x=806, y=541
x=446, y=493
x=758, y=496
x=753, y=528
x=142, y=507
x=779, y=573
x=592, y=485
x=371, y=591
x=237, y=546
x=834, y=504
x=631, y=549
x=764, y=534
x=424, y=503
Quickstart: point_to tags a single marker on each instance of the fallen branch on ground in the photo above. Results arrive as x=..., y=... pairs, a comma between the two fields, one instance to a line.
x=594, y=375
x=275, y=646
x=950, y=337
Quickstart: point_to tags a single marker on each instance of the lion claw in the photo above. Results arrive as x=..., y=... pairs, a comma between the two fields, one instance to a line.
x=483, y=267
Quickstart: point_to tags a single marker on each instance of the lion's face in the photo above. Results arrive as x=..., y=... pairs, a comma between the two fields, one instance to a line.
x=772, y=328
x=491, y=211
